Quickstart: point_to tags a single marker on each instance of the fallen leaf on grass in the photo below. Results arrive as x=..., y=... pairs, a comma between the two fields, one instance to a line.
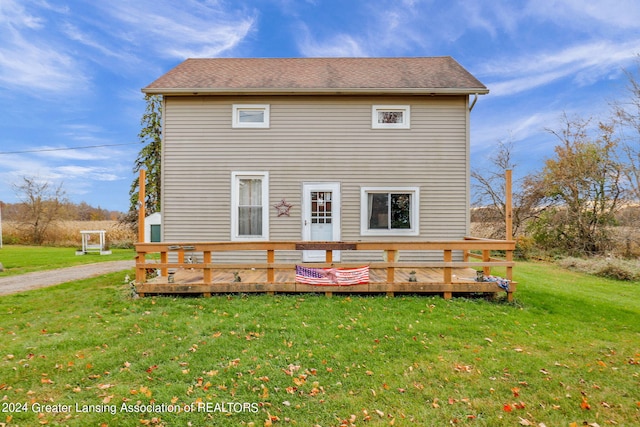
x=584, y=404
x=462, y=368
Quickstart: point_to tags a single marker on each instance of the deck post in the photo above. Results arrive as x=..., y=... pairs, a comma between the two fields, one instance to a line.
x=271, y=276
x=164, y=259
x=141, y=271
x=141, y=207
x=509, y=226
x=271, y=258
x=486, y=258
x=206, y=273
x=509, y=275
x=391, y=271
x=508, y=209
x=447, y=269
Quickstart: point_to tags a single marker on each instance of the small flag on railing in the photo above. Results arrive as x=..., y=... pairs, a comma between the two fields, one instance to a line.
x=332, y=276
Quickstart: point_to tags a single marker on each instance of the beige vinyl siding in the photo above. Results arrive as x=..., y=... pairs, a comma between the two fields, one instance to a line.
x=313, y=139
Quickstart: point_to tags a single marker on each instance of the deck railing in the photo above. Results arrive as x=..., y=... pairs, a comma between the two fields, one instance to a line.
x=476, y=253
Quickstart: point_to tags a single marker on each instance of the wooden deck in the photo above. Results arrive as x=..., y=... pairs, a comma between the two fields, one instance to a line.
x=446, y=277
x=428, y=280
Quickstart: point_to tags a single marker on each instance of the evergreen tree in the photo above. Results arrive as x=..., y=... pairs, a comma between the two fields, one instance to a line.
x=149, y=158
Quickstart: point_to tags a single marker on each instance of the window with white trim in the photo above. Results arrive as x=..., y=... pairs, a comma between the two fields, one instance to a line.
x=249, y=206
x=390, y=117
x=389, y=211
x=250, y=115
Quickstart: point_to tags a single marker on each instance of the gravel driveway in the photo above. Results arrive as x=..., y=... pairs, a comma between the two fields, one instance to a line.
x=41, y=279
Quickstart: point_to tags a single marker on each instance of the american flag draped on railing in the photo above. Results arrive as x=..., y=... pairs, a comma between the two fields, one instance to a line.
x=332, y=276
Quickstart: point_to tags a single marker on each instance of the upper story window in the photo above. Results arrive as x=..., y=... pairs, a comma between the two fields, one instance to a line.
x=389, y=211
x=250, y=115
x=390, y=117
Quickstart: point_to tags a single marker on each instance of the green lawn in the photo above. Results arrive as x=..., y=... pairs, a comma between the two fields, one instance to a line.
x=566, y=351
x=17, y=259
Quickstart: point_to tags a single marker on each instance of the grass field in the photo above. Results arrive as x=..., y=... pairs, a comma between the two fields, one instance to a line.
x=566, y=353
x=18, y=259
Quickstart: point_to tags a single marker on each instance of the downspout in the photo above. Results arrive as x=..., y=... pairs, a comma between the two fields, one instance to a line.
x=475, y=99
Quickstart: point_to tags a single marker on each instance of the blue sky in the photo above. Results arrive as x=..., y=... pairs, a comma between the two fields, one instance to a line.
x=71, y=71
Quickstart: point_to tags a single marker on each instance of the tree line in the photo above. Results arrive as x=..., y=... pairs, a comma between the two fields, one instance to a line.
x=42, y=203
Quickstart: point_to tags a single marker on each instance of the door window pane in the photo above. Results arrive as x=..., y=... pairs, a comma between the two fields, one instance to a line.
x=321, y=207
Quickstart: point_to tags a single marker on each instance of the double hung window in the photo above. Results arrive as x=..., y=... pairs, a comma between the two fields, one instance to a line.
x=249, y=201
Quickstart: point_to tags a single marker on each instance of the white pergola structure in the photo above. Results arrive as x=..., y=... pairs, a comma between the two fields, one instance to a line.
x=90, y=244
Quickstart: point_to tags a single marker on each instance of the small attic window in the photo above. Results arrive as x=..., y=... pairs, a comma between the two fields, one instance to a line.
x=250, y=115
x=390, y=117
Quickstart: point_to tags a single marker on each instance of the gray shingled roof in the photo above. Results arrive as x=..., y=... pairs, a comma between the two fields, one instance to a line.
x=441, y=75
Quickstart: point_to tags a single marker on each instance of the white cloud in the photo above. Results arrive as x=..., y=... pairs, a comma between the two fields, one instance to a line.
x=57, y=153
x=74, y=172
x=76, y=34
x=583, y=64
x=13, y=13
x=588, y=16
x=341, y=45
x=385, y=31
x=180, y=30
x=31, y=61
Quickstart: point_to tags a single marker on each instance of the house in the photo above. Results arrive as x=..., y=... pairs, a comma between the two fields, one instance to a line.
x=152, y=227
x=316, y=149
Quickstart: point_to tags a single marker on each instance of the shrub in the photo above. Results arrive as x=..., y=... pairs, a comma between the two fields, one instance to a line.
x=524, y=247
x=613, y=268
x=617, y=272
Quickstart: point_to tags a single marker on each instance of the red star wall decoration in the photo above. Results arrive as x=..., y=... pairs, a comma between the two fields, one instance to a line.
x=283, y=208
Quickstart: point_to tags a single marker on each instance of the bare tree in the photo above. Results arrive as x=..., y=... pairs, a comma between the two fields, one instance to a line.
x=627, y=116
x=490, y=198
x=41, y=204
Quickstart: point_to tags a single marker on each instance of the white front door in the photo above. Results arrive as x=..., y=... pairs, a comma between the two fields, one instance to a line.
x=320, y=217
